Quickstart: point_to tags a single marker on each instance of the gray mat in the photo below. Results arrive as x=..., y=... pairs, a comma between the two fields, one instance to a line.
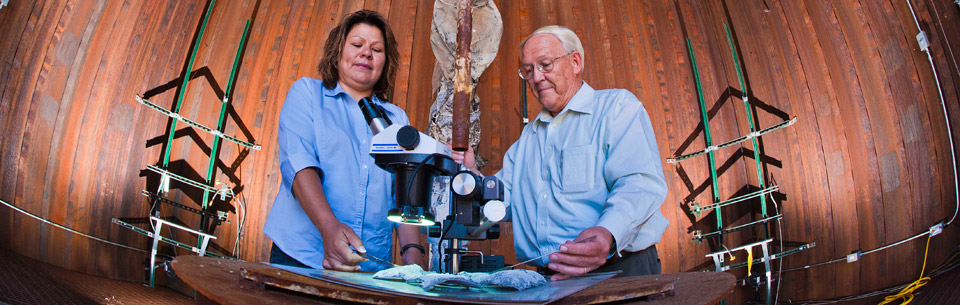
x=544, y=294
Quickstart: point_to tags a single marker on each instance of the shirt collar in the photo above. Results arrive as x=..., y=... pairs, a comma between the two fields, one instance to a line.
x=581, y=103
x=339, y=90
x=335, y=91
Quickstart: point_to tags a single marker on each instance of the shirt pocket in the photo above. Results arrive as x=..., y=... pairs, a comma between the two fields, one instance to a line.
x=577, y=168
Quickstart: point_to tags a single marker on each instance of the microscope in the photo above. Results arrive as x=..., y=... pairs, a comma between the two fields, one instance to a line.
x=415, y=159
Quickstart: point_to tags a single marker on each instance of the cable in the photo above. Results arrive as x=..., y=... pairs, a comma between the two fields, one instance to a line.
x=69, y=229
x=415, y=170
x=946, y=116
x=953, y=159
x=243, y=208
x=779, y=261
x=937, y=272
x=943, y=34
x=907, y=293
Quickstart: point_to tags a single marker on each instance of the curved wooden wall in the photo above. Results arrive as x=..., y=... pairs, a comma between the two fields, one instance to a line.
x=867, y=163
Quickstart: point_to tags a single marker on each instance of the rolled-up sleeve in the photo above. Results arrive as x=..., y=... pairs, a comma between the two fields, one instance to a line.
x=296, y=136
x=632, y=173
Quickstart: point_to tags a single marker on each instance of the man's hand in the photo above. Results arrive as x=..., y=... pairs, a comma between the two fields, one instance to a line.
x=576, y=259
x=337, y=239
x=467, y=158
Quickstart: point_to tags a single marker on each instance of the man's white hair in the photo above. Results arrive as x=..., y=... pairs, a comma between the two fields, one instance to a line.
x=569, y=39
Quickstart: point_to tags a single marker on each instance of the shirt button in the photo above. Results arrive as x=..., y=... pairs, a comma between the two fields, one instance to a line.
x=364, y=166
x=362, y=193
x=544, y=196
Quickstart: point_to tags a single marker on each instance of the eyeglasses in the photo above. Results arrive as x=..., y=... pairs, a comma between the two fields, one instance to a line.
x=544, y=66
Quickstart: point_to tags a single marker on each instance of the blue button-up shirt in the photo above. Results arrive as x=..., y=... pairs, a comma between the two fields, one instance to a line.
x=595, y=164
x=325, y=129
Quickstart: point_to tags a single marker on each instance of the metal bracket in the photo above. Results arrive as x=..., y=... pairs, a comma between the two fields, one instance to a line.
x=922, y=40
x=698, y=237
x=204, y=239
x=190, y=122
x=697, y=208
x=167, y=174
x=155, y=234
x=734, y=141
x=220, y=215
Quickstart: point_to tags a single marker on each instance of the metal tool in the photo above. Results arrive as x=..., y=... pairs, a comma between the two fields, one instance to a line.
x=375, y=259
x=588, y=239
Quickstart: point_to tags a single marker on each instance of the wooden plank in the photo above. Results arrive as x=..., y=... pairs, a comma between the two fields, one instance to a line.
x=13, y=22
x=785, y=86
x=418, y=95
x=44, y=101
x=657, y=99
x=838, y=174
x=905, y=87
x=19, y=147
x=49, y=94
x=403, y=30
x=889, y=142
x=838, y=61
x=680, y=100
x=947, y=73
x=501, y=116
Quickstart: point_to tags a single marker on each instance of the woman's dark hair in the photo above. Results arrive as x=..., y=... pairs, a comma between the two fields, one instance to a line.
x=333, y=49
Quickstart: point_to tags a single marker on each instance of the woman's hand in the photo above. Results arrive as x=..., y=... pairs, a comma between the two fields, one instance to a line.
x=410, y=234
x=337, y=239
x=414, y=256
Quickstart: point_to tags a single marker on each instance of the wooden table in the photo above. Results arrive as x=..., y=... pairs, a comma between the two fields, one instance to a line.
x=220, y=281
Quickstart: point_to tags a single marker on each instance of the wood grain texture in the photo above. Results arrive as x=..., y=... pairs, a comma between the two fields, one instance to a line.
x=867, y=164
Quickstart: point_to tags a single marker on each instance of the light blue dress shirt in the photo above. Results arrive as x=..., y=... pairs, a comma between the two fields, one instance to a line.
x=595, y=164
x=325, y=129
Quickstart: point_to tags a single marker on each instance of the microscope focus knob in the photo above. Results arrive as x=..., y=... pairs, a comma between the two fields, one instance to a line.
x=408, y=137
x=495, y=210
x=464, y=184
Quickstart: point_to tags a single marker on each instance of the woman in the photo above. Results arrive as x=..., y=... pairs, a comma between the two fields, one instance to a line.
x=332, y=196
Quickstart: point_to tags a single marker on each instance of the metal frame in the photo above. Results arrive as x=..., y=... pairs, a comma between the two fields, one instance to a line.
x=763, y=191
x=209, y=186
x=155, y=234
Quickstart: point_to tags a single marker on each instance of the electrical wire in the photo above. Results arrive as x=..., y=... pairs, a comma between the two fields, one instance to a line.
x=416, y=169
x=943, y=34
x=243, y=208
x=948, y=265
x=907, y=293
x=71, y=230
x=953, y=159
x=946, y=116
x=779, y=261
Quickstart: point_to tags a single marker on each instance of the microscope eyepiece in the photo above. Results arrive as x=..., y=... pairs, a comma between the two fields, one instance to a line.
x=374, y=114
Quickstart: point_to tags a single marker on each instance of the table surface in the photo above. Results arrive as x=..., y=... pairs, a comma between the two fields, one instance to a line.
x=220, y=280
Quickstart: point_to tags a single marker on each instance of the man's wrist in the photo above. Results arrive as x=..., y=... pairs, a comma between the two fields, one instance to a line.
x=613, y=248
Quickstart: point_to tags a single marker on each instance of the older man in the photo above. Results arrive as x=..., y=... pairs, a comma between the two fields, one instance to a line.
x=584, y=180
